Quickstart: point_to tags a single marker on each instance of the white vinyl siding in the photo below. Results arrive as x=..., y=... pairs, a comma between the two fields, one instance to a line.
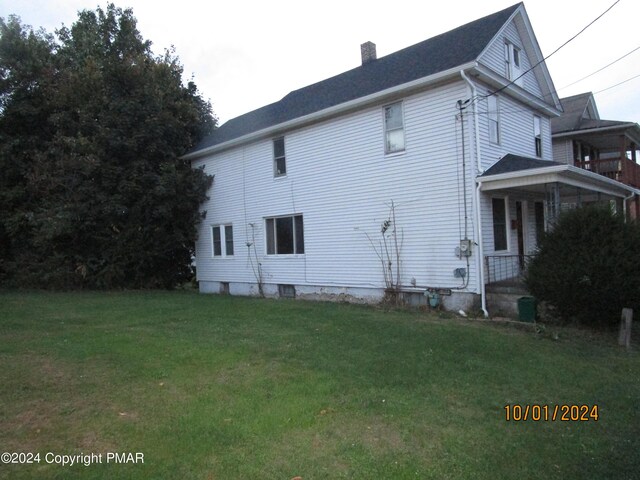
x=494, y=57
x=344, y=182
x=563, y=151
x=516, y=131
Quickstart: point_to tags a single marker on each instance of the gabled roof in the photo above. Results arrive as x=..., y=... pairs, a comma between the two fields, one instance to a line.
x=438, y=54
x=581, y=117
x=576, y=109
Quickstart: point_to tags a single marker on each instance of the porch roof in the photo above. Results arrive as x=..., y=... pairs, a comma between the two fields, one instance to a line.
x=531, y=175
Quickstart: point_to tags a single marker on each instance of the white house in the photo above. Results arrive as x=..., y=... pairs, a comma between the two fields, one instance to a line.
x=454, y=132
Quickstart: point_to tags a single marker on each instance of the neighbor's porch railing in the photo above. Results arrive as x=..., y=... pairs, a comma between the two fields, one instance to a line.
x=506, y=268
x=620, y=169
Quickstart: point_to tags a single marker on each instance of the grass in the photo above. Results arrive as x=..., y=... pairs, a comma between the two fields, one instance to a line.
x=213, y=387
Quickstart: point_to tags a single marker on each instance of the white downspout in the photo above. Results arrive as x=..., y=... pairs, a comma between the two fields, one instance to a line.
x=476, y=200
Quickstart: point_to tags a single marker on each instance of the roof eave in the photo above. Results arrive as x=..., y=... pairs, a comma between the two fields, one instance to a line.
x=397, y=91
x=510, y=88
x=567, y=174
x=611, y=128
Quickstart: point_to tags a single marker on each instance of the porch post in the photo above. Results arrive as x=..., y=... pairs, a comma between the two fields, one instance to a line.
x=553, y=203
x=623, y=157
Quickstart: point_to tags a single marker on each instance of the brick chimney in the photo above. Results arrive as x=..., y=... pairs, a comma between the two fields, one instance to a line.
x=368, y=51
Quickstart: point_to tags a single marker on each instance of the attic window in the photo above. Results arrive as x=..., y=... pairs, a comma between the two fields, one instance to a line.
x=513, y=61
x=393, y=128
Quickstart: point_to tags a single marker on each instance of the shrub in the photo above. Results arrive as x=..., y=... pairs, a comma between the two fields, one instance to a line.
x=588, y=266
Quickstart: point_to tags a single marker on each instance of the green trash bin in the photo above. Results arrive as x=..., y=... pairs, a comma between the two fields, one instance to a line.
x=527, y=309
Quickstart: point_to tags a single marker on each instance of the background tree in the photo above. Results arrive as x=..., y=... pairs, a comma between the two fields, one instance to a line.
x=92, y=126
x=588, y=266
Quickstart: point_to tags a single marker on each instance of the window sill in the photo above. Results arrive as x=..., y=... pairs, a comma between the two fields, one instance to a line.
x=399, y=153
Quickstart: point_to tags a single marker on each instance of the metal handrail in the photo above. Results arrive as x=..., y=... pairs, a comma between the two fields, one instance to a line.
x=506, y=268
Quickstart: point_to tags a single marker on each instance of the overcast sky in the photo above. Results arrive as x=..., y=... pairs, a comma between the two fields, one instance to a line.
x=245, y=54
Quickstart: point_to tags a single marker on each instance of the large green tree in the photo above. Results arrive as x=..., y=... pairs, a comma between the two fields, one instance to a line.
x=93, y=191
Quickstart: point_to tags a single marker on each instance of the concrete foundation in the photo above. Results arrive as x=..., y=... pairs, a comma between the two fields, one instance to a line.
x=466, y=301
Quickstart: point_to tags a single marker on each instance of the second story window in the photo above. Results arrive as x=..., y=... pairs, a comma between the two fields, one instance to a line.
x=393, y=128
x=494, y=118
x=279, y=159
x=537, y=135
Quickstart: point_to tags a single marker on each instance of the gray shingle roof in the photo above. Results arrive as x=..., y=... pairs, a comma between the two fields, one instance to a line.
x=514, y=163
x=572, y=118
x=573, y=109
x=443, y=52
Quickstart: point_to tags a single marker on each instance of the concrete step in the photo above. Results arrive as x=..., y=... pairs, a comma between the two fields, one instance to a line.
x=504, y=304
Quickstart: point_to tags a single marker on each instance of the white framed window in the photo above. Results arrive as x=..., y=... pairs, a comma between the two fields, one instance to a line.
x=500, y=232
x=285, y=235
x=513, y=61
x=222, y=240
x=537, y=135
x=279, y=158
x=493, y=113
x=393, y=128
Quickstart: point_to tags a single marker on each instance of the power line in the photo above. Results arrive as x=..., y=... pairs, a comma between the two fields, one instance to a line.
x=598, y=71
x=555, y=51
x=617, y=84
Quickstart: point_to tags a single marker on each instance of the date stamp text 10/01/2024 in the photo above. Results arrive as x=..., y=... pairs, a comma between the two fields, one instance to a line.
x=551, y=413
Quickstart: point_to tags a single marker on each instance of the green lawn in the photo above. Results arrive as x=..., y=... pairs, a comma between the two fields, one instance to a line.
x=218, y=387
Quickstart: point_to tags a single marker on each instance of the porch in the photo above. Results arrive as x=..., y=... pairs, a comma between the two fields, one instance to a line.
x=621, y=169
x=606, y=147
x=523, y=197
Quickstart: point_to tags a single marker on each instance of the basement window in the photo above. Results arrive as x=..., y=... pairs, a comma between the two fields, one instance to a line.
x=286, y=291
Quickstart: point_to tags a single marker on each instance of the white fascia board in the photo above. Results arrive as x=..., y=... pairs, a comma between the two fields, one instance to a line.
x=566, y=174
x=405, y=88
x=517, y=92
x=573, y=133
